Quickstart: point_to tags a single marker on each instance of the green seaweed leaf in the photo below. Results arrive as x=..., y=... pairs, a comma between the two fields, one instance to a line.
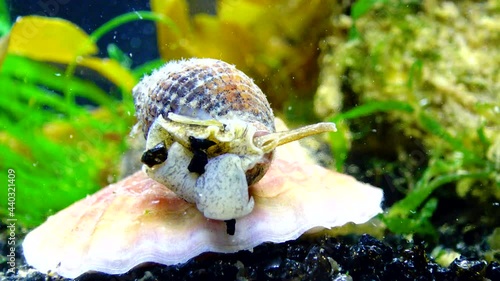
x=433, y=127
x=415, y=75
x=359, y=9
x=117, y=54
x=4, y=18
x=372, y=107
x=417, y=222
x=339, y=141
x=37, y=73
x=129, y=17
x=406, y=216
x=340, y=144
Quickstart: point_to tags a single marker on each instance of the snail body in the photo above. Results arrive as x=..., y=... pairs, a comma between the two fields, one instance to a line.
x=209, y=134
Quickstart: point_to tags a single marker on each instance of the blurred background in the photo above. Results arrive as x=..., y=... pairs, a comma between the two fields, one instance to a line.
x=413, y=87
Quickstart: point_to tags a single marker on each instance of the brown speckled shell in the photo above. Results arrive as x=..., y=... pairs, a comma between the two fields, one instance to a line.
x=204, y=89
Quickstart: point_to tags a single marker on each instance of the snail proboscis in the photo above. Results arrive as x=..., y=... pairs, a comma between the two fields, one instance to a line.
x=209, y=134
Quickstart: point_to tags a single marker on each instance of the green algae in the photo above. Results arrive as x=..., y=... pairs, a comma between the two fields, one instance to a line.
x=440, y=59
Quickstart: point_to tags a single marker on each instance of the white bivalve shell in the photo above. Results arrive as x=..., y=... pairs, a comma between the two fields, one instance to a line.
x=209, y=134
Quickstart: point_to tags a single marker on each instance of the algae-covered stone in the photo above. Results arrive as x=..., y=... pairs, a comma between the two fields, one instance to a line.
x=442, y=58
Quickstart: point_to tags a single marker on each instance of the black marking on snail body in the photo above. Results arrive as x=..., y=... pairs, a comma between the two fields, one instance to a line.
x=200, y=144
x=200, y=157
x=218, y=128
x=197, y=164
x=156, y=155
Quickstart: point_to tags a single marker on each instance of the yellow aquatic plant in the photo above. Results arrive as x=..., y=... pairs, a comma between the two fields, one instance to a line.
x=274, y=41
x=58, y=40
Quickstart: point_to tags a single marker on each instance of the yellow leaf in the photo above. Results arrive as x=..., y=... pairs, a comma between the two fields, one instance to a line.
x=58, y=40
x=173, y=44
x=112, y=70
x=227, y=41
x=49, y=39
x=244, y=13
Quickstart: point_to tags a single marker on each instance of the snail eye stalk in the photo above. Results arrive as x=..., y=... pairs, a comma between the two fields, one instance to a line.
x=156, y=155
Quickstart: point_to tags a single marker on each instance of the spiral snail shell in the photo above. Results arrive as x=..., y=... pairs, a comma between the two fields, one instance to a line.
x=209, y=134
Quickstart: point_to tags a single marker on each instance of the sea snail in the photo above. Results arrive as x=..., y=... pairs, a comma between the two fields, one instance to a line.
x=209, y=134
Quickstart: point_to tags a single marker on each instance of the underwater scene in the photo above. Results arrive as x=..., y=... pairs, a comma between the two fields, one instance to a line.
x=250, y=140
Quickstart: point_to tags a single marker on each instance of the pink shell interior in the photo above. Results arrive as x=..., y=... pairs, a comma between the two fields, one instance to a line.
x=137, y=220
